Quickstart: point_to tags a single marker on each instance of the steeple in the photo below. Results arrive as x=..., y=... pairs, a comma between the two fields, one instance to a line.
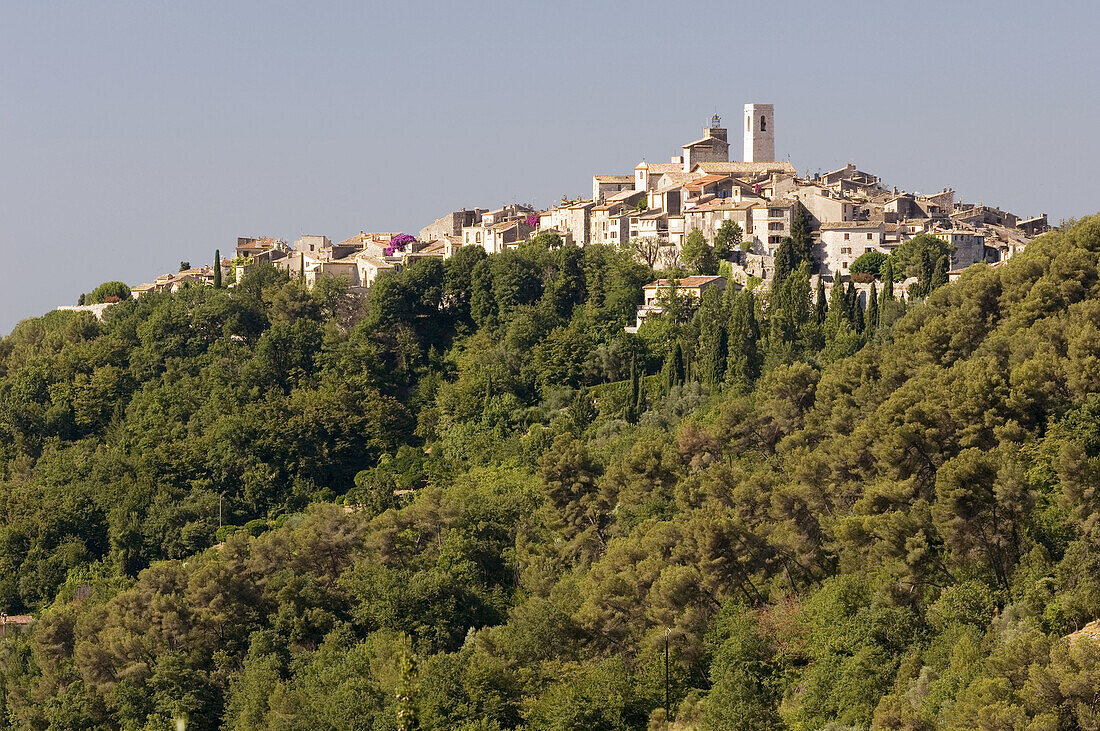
x=759, y=133
x=715, y=129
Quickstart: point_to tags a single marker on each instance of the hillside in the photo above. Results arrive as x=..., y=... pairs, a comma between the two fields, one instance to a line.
x=473, y=501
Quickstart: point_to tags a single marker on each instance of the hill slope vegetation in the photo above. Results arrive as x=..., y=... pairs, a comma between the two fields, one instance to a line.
x=472, y=501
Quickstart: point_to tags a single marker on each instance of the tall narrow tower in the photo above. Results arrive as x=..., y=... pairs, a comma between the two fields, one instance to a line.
x=759, y=133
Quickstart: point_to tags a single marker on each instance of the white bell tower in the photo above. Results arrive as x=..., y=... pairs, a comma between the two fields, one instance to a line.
x=759, y=133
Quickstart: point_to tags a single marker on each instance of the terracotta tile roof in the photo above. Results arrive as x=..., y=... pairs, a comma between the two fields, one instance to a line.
x=614, y=178
x=707, y=141
x=665, y=167
x=845, y=225
x=16, y=619
x=686, y=283
x=726, y=204
x=743, y=168
x=700, y=183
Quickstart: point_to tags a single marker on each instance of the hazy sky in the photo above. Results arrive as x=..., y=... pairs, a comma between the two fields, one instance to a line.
x=134, y=135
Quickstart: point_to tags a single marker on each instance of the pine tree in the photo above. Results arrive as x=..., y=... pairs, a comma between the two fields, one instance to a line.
x=217, y=269
x=821, y=307
x=872, y=310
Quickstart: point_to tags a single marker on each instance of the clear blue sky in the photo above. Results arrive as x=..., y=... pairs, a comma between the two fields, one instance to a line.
x=134, y=135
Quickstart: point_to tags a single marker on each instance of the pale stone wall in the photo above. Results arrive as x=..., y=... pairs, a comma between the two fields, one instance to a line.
x=759, y=126
x=842, y=246
x=450, y=225
x=771, y=222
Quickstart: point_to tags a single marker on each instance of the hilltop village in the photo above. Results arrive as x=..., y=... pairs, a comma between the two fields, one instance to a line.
x=752, y=205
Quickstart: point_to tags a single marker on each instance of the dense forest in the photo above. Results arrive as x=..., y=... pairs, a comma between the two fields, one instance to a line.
x=471, y=500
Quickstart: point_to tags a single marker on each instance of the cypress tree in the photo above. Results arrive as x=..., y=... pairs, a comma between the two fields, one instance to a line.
x=713, y=338
x=301, y=267
x=801, y=241
x=888, y=281
x=752, y=340
x=631, y=414
x=821, y=307
x=784, y=263
x=872, y=309
x=927, y=270
x=939, y=274
x=217, y=269
x=856, y=308
x=840, y=313
x=743, y=363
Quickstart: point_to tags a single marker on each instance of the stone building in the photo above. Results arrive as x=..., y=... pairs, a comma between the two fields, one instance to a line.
x=450, y=225
x=844, y=242
x=759, y=133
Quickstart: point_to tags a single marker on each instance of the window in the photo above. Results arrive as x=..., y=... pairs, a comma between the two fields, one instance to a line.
x=868, y=249
x=870, y=236
x=763, y=123
x=775, y=213
x=748, y=124
x=774, y=239
x=775, y=226
x=846, y=250
x=847, y=236
x=844, y=266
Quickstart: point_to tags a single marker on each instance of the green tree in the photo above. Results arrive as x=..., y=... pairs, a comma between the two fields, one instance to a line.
x=743, y=365
x=917, y=257
x=713, y=347
x=785, y=262
x=870, y=262
x=675, y=367
x=105, y=290
x=872, y=309
x=801, y=238
x=217, y=269
x=821, y=307
x=727, y=239
x=855, y=308
x=939, y=274
x=745, y=676
x=695, y=251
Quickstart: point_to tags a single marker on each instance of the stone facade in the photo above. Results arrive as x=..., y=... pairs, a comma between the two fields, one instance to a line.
x=759, y=133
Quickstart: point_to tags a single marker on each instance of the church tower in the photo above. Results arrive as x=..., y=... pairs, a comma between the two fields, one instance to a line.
x=759, y=133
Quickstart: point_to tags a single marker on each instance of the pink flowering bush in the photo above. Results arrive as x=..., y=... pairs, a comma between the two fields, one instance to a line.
x=400, y=241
